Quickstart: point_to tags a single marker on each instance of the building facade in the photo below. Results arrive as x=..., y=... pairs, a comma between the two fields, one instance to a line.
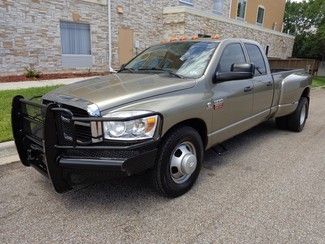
x=82, y=35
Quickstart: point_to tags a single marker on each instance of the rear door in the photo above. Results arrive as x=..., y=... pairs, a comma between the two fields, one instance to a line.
x=263, y=82
x=233, y=99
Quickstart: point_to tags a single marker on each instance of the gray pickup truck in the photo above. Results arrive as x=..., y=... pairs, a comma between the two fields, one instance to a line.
x=158, y=113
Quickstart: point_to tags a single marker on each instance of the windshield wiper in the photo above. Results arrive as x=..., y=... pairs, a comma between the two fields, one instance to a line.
x=127, y=69
x=174, y=74
x=165, y=70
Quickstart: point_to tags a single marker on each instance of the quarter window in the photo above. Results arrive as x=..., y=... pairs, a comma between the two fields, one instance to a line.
x=260, y=16
x=241, y=9
x=256, y=58
x=232, y=54
x=75, y=38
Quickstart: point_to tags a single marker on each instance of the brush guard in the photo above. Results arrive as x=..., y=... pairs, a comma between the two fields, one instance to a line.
x=42, y=142
x=28, y=123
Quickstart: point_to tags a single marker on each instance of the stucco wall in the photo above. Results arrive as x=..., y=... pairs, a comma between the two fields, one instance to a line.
x=274, y=12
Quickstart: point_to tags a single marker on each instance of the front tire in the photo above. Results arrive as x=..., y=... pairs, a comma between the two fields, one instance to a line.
x=179, y=162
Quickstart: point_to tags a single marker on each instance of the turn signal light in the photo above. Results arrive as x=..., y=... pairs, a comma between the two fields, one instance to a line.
x=173, y=39
x=183, y=38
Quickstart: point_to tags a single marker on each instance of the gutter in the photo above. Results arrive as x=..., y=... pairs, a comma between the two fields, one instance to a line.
x=109, y=22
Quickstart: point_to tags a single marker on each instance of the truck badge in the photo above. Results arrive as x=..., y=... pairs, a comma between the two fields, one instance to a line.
x=218, y=104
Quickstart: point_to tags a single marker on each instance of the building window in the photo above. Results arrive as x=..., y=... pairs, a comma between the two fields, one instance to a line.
x=218, y=6
x=189, y=2
x=241, y=9
x=260, y=15
x=75, y=38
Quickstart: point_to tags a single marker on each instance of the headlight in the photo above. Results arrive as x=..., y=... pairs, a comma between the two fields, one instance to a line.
x=137, y=129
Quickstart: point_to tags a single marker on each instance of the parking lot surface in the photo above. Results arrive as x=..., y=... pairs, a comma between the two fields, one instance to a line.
x=268, y=187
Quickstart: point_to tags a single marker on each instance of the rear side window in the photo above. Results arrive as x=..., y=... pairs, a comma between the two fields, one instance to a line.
x=232, y=54
x=256, y=58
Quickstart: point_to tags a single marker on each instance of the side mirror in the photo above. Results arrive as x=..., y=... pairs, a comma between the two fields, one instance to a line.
x=238, y=72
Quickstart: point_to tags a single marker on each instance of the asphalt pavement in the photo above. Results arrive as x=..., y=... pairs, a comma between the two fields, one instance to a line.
x=268, y=187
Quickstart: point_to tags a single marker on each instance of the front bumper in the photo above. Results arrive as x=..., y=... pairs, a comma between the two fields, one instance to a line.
x=132, y=160
x=41, y=142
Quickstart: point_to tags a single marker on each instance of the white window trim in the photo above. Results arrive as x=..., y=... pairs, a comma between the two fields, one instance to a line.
x=186, y=2
x=240, y=18
x=258, y=7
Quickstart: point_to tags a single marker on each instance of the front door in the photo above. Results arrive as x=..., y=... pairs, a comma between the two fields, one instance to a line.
x=233, y=100
x=125, y=44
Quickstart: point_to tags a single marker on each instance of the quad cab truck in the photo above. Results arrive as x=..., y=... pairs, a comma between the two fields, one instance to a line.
x=158, y=113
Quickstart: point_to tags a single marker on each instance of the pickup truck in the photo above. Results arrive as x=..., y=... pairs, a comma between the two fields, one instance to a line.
x=158, y=113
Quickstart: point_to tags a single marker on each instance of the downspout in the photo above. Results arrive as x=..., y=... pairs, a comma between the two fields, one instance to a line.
x=109, y=22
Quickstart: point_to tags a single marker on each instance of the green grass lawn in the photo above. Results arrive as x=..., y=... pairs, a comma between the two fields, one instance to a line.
x=319, y=81
x=5, y=110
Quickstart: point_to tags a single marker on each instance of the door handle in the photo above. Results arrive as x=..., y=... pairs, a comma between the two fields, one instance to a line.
x=248, y=88
x=269, y=83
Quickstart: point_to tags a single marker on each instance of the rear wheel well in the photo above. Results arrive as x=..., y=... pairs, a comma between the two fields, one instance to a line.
x=306, y=93
x=197, y=124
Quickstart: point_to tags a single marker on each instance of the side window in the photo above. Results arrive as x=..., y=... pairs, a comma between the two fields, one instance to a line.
x=232, y=54
x=256, y=58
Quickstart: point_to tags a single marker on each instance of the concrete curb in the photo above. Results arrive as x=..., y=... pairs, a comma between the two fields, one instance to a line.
x=41, y=83
x=8, y=153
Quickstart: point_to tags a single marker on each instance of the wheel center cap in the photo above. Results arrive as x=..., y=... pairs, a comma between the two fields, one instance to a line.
x=189, y=163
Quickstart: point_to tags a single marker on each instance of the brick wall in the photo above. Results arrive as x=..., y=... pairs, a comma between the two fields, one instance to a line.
x=30, y=29
x=186, y=21
x=145, y=18
x=30, y=33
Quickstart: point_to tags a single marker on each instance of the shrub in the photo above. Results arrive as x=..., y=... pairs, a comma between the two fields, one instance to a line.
x=32, y=73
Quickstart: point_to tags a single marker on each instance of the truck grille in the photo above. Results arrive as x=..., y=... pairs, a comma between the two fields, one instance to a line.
x=81, y=130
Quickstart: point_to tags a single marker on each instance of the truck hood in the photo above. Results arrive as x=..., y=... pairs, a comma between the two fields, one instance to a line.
x=116, y=89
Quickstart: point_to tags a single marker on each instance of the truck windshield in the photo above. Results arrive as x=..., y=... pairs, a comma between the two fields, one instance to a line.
x=181, y=59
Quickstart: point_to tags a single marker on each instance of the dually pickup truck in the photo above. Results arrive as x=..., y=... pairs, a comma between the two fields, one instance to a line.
x=158, y=113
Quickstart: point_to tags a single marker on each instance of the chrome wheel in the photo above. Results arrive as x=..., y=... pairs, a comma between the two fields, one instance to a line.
x=303, y=115
x=183, y=162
